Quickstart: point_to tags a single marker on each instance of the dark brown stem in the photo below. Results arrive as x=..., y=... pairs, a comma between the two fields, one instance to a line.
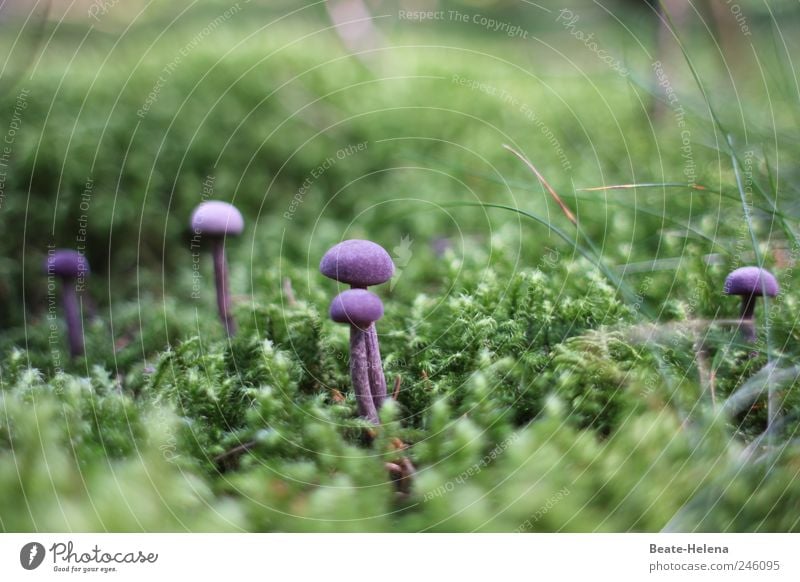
x=360, y=376
x=223, y=292
x=73, y=318
x=229, y=459
x=377, y=380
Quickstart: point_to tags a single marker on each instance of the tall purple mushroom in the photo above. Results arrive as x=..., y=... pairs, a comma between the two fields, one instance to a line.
x=750, y=283
x=71, y=267
x=361, y=264
x=216, y=220
x=361, y=309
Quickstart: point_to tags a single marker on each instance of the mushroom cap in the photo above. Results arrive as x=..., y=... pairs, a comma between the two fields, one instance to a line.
x=217, y=219
x=357, y=262
x=357, y=307
x=751, y=281
x=67, y=264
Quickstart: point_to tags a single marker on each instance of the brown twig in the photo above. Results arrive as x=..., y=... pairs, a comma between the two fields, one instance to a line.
x=426, y=380
x=397, y=382
x=406, y=480
x=564, y=208
x=402, y=473
x=229, y=459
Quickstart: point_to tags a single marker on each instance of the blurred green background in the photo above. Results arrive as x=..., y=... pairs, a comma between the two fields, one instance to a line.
x=132, y=109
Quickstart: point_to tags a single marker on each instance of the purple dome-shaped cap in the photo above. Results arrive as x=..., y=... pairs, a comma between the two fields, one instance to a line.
x=751, y=281
x=359, y=263
x=215, y=218
x=357, y=307
x=66, y=263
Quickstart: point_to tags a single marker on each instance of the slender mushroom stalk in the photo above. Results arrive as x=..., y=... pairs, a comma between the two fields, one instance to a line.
x=361, y=264
x=360, y=377
x=216, y=221
x=750, y=283
x=360, y=309
x=223, y=288
x=71, y=267
x=377, y=380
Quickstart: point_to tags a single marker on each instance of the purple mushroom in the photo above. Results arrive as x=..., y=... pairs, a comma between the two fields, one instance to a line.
x=361, y=309
x=750, y=283
x=360, y=264
x=71, y=267
x=216, y=220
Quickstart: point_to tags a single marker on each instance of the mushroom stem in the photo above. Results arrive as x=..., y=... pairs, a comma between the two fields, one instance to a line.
x=221, y=280
x=747, y=325
x=377, y=380
x=73, y=319
x=360, y=376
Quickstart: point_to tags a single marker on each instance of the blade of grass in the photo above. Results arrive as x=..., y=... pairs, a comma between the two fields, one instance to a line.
x=785, y=226
x=645, y=185
x=745, y=206
x=761, y=382
x=550, y=190
x=687, y=227
x=772, y=184
x=770, y=208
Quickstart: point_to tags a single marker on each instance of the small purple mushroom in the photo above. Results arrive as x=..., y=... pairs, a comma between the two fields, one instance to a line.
x=750, y=283
x=216, y=220
x=71, y=267
x=360, y=264
x=361, y=309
